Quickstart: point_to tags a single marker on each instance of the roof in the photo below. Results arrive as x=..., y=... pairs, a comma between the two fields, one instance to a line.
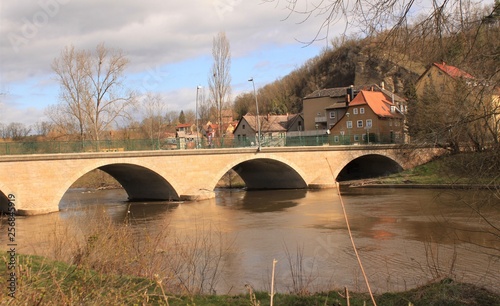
x=328, y=92
x=342, y=91
x=452, y=71
x=377, y=101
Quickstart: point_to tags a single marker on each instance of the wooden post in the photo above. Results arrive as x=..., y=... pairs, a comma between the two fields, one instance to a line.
x=347, y=296
x=272, y=282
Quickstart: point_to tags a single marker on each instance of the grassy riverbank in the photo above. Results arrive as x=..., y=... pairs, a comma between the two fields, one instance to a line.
x=461, y=170
x=45, y=282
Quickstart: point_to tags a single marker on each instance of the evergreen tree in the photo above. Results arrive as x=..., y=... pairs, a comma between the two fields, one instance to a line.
x=182, y=117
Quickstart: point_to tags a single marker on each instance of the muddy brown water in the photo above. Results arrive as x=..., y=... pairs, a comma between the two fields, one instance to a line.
x=405, y=237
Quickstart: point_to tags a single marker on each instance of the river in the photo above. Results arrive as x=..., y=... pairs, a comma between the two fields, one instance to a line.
x=405, y=237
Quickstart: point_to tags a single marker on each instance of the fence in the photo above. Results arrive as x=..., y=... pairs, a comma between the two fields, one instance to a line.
x=46, y=147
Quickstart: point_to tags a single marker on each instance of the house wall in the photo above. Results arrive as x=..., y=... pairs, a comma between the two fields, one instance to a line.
x=316, y=107
x=441, y=81
x=381, y=127
x=244, y=131
x=338, y=113
x=298, y=125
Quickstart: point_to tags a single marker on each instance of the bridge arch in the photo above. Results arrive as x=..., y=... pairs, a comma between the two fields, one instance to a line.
x=4, y=200
x=140, y=182
x=368, y=166
x=266, y=173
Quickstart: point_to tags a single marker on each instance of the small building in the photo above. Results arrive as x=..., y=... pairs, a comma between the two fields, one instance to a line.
x=273, y=128
x=443, y=77
x=371, y=116
x=186, y=135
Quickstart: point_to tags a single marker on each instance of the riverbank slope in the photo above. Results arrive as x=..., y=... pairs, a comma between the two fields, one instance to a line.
x=467, y=170
x=40, y=281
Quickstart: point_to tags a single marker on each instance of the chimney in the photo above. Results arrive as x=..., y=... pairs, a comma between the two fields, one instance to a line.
x=350, y=94
x=382, y=85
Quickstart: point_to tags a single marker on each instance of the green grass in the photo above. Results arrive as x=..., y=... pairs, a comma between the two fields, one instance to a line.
x=471, y=168
x=46, y=282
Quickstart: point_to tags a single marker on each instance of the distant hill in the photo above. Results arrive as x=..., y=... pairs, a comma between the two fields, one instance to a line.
x=354, y=63
x=396, y=58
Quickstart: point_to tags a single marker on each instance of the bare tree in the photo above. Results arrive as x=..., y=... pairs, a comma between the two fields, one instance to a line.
x=171, y=118
x=17, y=130
x=219, y=80
x=375, y=16
x=153, y=124
x=70, y=69
x=105, y=75
x=91, y=88
x=42, y=128
x=3, y=131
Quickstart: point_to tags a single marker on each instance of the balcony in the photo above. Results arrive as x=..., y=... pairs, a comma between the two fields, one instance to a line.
x=320, y=119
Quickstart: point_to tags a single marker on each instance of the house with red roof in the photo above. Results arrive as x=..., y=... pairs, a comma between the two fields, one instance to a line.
x=443, y=77
x=273, y=128
x=323, y=108
x=371, y=116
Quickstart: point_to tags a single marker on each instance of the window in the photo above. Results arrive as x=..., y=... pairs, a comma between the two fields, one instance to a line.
x=243, y=127
x=336, y=139
x=356, y=137
x=368, y=123
x=355, y=111
x=359, y=123
x=349, y=124
x=332, y=115
x=361, y=110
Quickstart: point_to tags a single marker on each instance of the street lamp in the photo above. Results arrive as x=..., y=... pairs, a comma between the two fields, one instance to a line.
x=317, y=141
x=197, y=131
x=348, y=129
x=257, y=110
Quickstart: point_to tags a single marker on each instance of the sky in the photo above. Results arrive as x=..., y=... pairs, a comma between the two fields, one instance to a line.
x=168, y=43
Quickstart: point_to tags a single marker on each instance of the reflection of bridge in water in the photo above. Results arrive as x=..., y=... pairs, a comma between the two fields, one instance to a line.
x=39, y=181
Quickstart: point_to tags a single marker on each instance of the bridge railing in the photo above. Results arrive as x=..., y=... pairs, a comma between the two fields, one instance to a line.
x=115, y=145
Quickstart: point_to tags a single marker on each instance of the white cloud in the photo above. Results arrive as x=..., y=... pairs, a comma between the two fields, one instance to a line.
x=162, y=39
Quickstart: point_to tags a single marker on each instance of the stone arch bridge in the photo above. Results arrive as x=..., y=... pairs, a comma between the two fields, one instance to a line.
x=38, y=182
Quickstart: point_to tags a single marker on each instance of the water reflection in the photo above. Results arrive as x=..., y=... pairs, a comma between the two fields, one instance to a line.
x=260, y=201
x=394, y=230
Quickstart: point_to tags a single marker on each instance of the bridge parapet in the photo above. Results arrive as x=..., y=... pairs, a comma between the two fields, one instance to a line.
x=40, y=181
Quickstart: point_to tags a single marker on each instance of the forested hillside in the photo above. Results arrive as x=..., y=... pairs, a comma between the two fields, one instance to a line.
x=396, y=57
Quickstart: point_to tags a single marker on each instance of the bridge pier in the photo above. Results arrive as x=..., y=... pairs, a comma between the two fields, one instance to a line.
x=198, y=196
x=40, y=181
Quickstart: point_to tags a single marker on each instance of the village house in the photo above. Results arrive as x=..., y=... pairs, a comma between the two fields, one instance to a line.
x=443, y=77
x=323, y=108
x=273, y=129
x=482, y=97
x=186, y=135
x=371, y=116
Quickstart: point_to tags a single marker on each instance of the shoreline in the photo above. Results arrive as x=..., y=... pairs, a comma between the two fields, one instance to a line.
x=419, y=186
